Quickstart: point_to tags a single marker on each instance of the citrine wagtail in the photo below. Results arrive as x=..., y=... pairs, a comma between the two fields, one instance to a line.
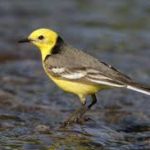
x=77, y=72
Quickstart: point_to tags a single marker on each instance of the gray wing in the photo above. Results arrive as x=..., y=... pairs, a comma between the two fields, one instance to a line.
x=76, y=65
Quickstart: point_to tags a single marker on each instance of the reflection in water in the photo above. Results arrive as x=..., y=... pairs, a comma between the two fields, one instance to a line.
x=73, y=140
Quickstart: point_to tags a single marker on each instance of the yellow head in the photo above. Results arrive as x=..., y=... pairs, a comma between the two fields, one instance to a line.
x=44, y=39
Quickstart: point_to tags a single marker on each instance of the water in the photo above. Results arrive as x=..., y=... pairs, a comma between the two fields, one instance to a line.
x=32, y=108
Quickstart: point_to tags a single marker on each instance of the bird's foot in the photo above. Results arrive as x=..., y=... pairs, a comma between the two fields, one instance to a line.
x=76, y=117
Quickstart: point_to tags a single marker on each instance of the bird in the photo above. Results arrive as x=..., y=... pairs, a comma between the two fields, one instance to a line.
x=77, y=72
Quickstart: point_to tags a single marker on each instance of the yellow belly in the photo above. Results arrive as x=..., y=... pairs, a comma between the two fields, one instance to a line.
x=78, y=88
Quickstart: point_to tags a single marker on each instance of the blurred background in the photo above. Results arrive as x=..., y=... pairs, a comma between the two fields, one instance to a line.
x=32, y=107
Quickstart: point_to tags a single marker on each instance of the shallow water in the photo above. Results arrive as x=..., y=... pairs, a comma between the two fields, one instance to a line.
x=32, y=108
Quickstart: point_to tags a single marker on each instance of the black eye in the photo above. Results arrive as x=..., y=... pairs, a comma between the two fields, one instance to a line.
x=41, y=37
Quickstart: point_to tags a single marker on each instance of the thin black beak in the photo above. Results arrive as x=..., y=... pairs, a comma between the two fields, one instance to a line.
x=24, y=41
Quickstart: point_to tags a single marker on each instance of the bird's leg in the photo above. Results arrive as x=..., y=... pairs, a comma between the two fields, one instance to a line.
x=94, y=100
x=77, y=116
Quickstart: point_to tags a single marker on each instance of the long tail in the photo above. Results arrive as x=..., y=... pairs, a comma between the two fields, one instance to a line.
x=139, y=88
